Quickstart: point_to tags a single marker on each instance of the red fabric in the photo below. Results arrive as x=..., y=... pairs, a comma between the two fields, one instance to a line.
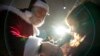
x=13, y=33
x=19, y=28
x=18, y=32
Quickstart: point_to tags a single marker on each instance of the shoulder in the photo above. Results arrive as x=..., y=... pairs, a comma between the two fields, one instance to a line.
x=16, y=11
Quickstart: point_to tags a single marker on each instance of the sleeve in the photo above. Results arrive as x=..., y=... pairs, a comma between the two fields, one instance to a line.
x=14, y=32
x=32, y=46
x=17, y=32
x=18, y=27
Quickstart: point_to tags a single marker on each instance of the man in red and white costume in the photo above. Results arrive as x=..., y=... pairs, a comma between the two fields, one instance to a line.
x=17, y=26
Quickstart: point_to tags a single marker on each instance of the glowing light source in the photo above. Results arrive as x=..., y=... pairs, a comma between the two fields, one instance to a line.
x=64, y=7
x=61, y=30
x=48, y=14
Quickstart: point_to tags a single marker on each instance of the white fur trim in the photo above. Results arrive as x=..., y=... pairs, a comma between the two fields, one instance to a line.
x=42, y=4
x=32, y=45
x=16, y=11
x=28, y=14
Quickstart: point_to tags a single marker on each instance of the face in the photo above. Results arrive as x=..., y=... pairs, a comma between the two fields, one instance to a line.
x=72, y=24
x=75, y=26
x=38, y=15
x=78, y=33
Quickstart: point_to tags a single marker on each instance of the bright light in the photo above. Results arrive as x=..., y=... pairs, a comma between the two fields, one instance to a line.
x=48, y=14
x=77, y=40
x=61, y=30
x=64, y=7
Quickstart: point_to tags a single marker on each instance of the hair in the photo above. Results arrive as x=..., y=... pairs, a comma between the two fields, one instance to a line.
x=82, y=17
x=86, y=45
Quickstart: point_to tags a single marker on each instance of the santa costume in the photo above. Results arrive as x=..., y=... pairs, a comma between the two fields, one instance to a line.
x=17, y=35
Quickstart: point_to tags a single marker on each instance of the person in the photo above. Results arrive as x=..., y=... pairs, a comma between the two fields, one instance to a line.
x=49, y=49
x=44, y=48
x=19, y=29
x=65, y=49
x=84, y=21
